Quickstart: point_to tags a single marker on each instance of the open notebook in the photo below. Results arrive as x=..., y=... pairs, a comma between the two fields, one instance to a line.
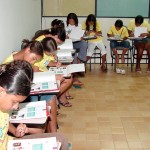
x=30, y=113
x=67, y=70
x=44, y=82
x=34, y=144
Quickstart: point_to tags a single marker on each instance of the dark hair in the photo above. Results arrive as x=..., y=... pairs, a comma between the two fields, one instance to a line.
x=57, y=23
x=91, y=18
x=39, y=33
x=49, y=44
x=139, y=19
x=35, y=46
x=16, y=77
x=74, y=17
x=53, y=23
x=60, y=32
x=118, y=23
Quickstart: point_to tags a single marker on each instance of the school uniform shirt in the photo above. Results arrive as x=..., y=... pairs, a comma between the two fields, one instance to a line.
x=40, y=38
x=9, y=58
x=98, y=28
x=123, y=32
x=132, y=25
x=44, y=62
x=4, y=125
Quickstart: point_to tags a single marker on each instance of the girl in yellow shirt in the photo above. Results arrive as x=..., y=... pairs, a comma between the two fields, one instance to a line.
x=15, y=86
x=92, y=27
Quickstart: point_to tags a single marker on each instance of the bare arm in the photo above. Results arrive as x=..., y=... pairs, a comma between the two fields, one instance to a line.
x=22, y=129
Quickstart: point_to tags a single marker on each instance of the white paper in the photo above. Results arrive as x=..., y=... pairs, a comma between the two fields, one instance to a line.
x=76, y=34
x=33, y=144
x=43, y=77
x=66, y=45
x=75, y=68
x=139, y=30
x=64, y=56
x=61, y=53
x=31, y=112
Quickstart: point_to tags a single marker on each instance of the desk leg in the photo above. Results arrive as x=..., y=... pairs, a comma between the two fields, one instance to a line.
x=39, y=97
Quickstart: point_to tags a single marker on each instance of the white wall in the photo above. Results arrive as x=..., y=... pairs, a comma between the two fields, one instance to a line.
x=19, y=19
x=105, y=23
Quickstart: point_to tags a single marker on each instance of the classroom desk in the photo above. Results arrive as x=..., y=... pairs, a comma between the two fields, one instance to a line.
x=52, y=92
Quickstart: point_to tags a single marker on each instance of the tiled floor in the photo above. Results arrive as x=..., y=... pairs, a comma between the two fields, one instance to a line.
x=110, y=112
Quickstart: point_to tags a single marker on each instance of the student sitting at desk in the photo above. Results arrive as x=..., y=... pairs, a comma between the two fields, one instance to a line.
x=92, y=27
x=58, y=36
x=120, y=34
x=79, y=43
x=15, y=86
x=143, y=44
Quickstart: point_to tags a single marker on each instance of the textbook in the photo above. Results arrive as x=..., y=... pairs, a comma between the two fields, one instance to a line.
x=34, y=144
x=67, y=70
x=139, y=30
x=30, y=113
x=44, y=82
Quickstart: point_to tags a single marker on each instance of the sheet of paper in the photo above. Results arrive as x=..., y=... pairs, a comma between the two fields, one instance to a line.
x=75, y=68
x=66, y=45
x=29, y=111
x=63, y=53
x=76, y=34
x=66, y=50
x=64, y=56
x=139, y=30
x=33, y=144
